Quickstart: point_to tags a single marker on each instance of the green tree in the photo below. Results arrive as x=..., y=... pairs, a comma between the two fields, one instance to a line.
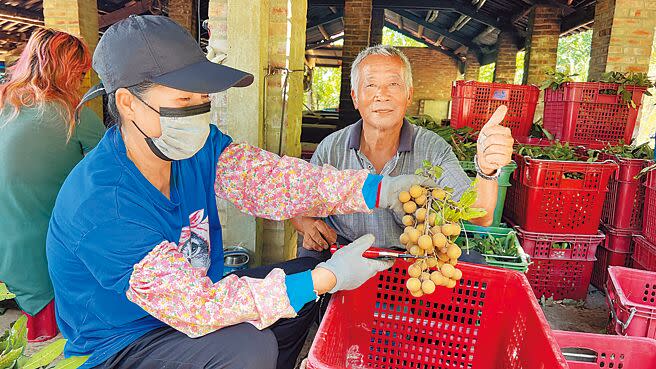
x=520, y=62
x=486, y=73
x=574, y=55
x=326, y=83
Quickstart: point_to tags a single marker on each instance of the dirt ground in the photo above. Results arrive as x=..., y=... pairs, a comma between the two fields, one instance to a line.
x=590, y=316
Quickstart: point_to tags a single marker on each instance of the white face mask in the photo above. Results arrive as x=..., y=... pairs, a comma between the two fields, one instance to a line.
x=184, y=131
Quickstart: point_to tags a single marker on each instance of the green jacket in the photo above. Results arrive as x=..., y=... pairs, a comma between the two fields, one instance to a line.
x=35, y=158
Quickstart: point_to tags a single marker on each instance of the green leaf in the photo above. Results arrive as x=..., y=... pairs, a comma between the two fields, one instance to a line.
x=46, y=355
x=7, y=360
x=4, y=292
x=427, y=164
x=473, y=213
x=419, y=172
x=468, y=198
x=72, y=362
x=437, y=171
x=19, y=333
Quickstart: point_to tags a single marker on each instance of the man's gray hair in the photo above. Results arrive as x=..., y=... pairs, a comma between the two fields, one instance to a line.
x=385, y=50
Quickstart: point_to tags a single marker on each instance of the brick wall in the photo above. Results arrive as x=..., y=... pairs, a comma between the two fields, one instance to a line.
x=433, y=73
x=506, y=63
x=184, y=13
x=472, y=68
x=622, y=37
x=79, y=18
x=357, y=27
x=544, y=29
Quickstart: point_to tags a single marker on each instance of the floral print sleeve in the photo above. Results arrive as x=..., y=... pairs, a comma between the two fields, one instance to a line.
x=265, y=185
x=166, y=286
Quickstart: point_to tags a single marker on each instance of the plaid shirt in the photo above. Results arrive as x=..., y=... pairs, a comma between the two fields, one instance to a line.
x=416, y=144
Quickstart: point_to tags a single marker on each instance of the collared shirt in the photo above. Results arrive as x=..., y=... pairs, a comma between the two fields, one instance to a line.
x=416, y=144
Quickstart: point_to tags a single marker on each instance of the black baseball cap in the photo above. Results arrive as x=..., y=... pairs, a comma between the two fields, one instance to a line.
x=154, y=48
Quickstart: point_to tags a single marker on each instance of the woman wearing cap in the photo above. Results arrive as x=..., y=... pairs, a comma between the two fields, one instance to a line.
x=39, y=145
x=132, y=289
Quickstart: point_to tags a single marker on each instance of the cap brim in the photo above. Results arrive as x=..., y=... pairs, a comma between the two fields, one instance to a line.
x=205, y=77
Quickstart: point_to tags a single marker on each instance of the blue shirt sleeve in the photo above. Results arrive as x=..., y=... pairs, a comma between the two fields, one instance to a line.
x=370, y=189
x=300, y=289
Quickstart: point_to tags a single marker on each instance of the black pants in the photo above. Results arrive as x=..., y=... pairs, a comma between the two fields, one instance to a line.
x=241, y=346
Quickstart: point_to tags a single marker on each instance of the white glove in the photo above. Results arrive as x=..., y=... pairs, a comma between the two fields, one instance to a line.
x=350, y=268
x=390, y=187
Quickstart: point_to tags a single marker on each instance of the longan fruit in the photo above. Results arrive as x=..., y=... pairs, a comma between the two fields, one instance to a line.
x=430, y=250
x=414, y=271
x=444, y=257
x=451, y=229
x=421, y=228
x=408, y=220
x=413, y=235
x=453, y=262
x=425, y=242
x=439, y=240
x=443, y=250
x=450, y=283
x=413, y=284
x=457, y=275
x=407, y=229
x=436, y=229
x=438, y=278
x=416, y=251
x=432, y=218
x=420, y=214
x=431, y=262
x=428, y=286
x=419, y=293
x=424, y=276
x=404, y=196
x=421, y=200
x=409, y=207
x=404, y=239
x=453, y=251
x=447, y=270
x=439, y=264
x=439, y=194
x=416, y=191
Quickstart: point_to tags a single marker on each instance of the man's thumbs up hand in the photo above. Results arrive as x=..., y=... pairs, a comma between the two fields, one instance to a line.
x=495, y=143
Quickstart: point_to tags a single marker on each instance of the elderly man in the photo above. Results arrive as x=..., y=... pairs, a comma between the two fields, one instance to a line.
x=383, y=142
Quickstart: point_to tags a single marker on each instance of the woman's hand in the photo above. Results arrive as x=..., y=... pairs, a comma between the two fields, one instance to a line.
x=347, y=269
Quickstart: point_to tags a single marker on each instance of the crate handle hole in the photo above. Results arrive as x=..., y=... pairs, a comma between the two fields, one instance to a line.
x=581, y=355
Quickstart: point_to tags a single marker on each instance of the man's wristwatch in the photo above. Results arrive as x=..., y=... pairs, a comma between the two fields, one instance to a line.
x=480, y=173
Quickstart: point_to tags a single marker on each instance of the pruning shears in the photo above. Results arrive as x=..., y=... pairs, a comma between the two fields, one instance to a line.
x=381, y=253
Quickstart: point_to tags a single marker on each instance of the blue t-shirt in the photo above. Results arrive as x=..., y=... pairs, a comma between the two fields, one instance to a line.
x=107, y=218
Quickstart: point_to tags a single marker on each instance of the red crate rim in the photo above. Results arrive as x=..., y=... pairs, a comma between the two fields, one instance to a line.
x=599, y=85
x=608, y=229
x=613, y=278
x=496, y=85
x=529, y=160
x=560, y=236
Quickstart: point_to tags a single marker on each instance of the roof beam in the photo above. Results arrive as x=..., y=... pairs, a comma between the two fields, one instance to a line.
x=323, y=43
x=19, y=15
x=423, y=41
x=13, y=37
x=435, y=28
x=138, y=7
x=325, y=19
x=453, y=5
x=325, y=34
x=579, y=17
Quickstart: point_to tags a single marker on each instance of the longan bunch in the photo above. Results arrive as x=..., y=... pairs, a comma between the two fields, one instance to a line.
x=427, y=234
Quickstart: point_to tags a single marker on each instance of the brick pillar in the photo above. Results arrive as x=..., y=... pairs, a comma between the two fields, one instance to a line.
x=506, y=63
x=79, y=18
x=184, y=13
x=622, y=36
x=357, y=26
x=472, y=67
x=377, y=24
x=542, y=43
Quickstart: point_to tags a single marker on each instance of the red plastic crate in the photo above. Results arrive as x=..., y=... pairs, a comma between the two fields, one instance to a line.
x=380, y=325
x=588, y=350
x=42, y=326
x=543, y=245
x=649, y=208
x=618, y=240
x=544, y=198
x=626, y=195
x=560, y=278
x=580, y=112
x=606, y=258
x=632, y=301
x=644, y=253
x=474, y=102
